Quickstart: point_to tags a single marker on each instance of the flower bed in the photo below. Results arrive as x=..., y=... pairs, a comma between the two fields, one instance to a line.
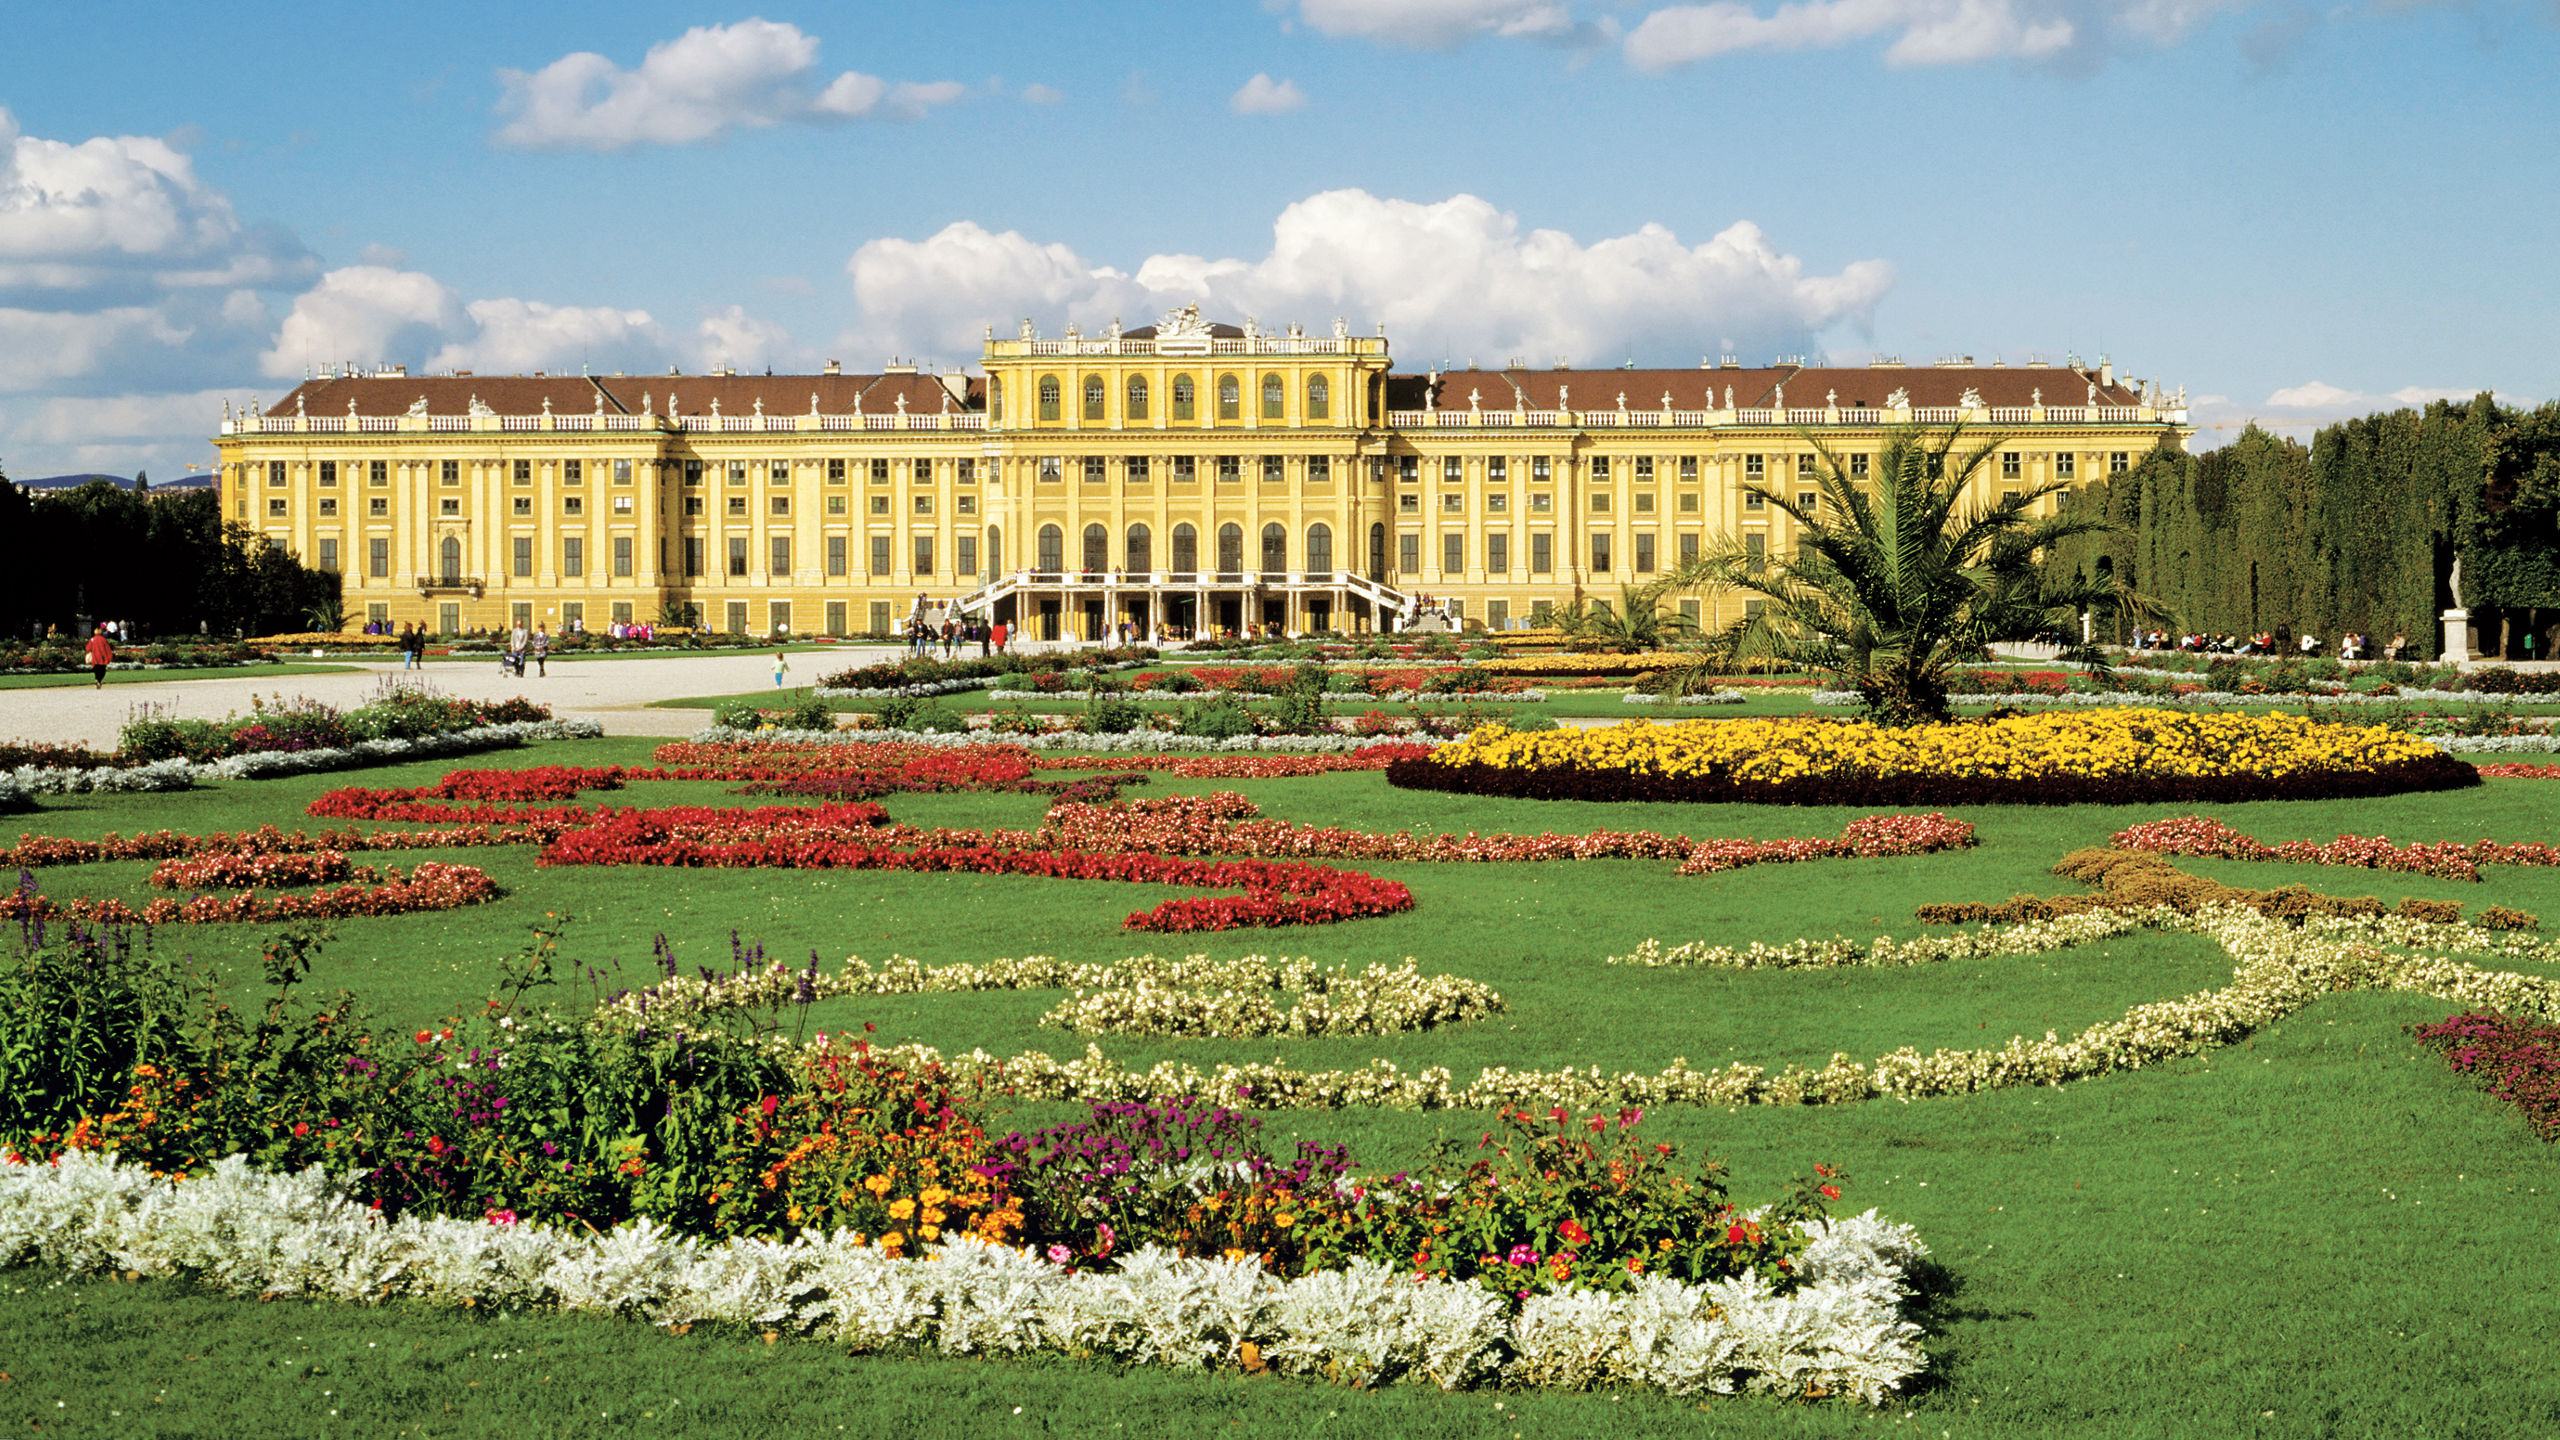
x=2514, y=1059
x=1145, y=740
x=258, y=870
x=429, y=886
x=2109, y=757
x=2199, y=835
x=2521, y=772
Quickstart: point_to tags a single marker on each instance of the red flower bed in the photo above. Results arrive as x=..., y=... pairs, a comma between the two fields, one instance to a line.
x=1241, y=767
x=1876, y=835
x=2514, y=1059
x=34, y=852
x=430, y=886
x=256, y=870
x=2200, y=835
x=2522, y=772
x=1276, y=894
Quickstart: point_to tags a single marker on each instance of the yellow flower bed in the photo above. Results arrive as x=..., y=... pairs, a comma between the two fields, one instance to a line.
x=2095, y=744
x=1585, y=664
x=314, y=639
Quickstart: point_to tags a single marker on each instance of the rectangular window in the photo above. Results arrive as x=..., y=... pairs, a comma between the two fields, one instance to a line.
x=573, y=556
x=879, y=556
x=879, y=504
x=1804, y=466
x=964, y=472
x=1644, y=469
x=1497, y=553
x=781, y=504
x=737, y=505
x=572, y=505
x=835, y=505
x=738, y=472
x=2118, y=463
x=1274, y=469
x=1858, y=467
x=1453, y=502
x=1050, y=474
x=1540, y=471
x=1644, y=502
x=779, y=472
x=1186, y=470
x=621, y=612
x=737, y=557
x=1542, y=552
x=693, y=556
x=1137, y=470
x=329, y=474
x=1453, y=553
x=1755, y=550
x=780, y=545
x=835, y=555
x=1408, y=554
x=1809, y=501
x=835, y=617
x=1599, y=469
x=1755, y=501
x=1408, y=469
x=622, y=556
x=835, y=472
x=693, y=472
x=737, y=617
x=621, y=472
x=1230, y=469
x=1753, y=470
x=2010, y=465
x=966, y=504
x=329, y=556
x=2065, y=465
x=1599, y=502
x=1453, y=471
x=524, y=472
x=1497, y=614
x=276, y=506
x=378, y=506
x=449, y=472
x=448, y=619
x=276, y=475
x=523, y=569
x=921, y=472
x=1689, y=547
x=524, y=505
x=966, y=548
x=778, y=613
x=1540, y=612
x=573, y=616
x=1688, y=502
x=879, y=617
x=2009, y=495
x=1644, y=553
x=449, y=507
x=377, y=473
x=1497, y=471
x=1095, y=471
x=522, y=611
x=1496, y=502
x=328, y=504
x=377, y=615
x=1689, y=611
x=879, y=472
x=1688, y=469
x=377, y=558
x=924, y=554
x=1319, y=469
x=1408, y=504
x=573, y=472
x=1600, y=553
x=1541, y=502
x=924, y=504
x=693, y=504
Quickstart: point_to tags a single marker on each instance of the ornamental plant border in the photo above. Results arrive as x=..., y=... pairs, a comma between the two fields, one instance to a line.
x=2440, y=772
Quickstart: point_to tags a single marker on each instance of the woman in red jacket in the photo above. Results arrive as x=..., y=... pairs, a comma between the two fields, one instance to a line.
x=101, y=654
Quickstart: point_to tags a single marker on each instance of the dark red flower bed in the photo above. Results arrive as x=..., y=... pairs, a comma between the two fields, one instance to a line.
x=2514, y=1059
x=2439, y=772
x=429, y=886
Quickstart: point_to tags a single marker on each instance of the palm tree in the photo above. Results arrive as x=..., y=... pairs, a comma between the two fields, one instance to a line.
x=1895, y=578
x=1638, y=622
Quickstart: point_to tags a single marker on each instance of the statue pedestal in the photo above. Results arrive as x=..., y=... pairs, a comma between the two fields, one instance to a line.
x=2457, y=635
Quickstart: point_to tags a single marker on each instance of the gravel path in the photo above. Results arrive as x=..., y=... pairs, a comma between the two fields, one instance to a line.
x=615, y=693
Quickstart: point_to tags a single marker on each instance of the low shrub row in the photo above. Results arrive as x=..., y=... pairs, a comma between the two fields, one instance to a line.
x=286, y=726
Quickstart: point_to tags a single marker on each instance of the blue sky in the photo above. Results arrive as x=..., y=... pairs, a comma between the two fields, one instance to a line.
x=2296, y=212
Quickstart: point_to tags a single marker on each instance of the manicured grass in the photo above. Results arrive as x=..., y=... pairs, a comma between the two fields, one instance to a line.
x=2316, y=1232
x=155, y=677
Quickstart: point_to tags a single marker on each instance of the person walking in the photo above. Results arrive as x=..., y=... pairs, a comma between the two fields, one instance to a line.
x=781, y=668
x=102, y=653
x=985, y=638
x=517, y=643
x=541, y=651
x=999, y=634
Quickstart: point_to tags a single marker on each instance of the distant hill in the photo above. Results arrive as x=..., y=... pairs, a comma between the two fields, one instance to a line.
x=197, y=480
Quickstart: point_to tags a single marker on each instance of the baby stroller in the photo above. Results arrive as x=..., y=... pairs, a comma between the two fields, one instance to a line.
x=512, y=663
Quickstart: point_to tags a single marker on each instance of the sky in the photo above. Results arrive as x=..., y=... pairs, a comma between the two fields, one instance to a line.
x=2298, y=212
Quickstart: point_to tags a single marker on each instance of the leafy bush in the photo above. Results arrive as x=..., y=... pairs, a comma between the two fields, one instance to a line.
x=1217, y=719
x=1112, y=715
x=2500, y=680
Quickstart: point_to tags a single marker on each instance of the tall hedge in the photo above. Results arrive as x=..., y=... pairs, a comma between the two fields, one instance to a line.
x=2356, y=532
x=167, y=563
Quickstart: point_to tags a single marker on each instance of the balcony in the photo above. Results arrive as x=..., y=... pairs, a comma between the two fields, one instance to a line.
x=471, y=585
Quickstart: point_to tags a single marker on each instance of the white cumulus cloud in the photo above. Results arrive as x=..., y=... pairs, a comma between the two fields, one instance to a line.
x=699, y=86
x=1923, y=32
x=1261, y=95
x=1454, y=277
x=1445, y=24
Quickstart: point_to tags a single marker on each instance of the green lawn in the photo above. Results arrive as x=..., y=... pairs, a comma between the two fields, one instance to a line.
x=2316, y=1232
x=155, y=677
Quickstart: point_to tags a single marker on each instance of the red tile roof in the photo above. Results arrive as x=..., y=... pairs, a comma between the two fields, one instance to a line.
x=688, y=395
x=1757, y=387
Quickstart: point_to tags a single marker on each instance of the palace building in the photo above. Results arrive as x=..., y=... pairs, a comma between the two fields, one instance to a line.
x=1182, y=477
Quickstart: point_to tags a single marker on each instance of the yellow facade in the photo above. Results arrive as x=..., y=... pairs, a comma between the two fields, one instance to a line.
x=1182, y=477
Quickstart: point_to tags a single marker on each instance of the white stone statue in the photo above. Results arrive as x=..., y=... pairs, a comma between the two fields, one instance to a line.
x=1971, y=399
x=1898, y=400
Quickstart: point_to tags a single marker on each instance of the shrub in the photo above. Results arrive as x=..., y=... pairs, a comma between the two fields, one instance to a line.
x=2500, y=680
x=1112, y=715
x=898, y=712
x=1218, y=719
x=155, y=737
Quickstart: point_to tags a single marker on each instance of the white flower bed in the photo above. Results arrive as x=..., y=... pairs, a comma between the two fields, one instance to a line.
x=248, y=1233
x=263, y=765
x=1714, y=697
x=2497, y=744
x=1142, y=741
x=14, y=796
x=919, y=690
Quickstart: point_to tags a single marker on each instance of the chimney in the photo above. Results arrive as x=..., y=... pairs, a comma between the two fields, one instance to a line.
x=834, y=369
x=2106, y=371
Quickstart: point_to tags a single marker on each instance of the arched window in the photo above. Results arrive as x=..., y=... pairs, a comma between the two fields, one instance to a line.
x=1186, y=548
x=1275, y=546
x=1275, y=397
x=1319, y=547
x=1137, y=408
x=1378, y=553
x=1053, y=548
x=1097, y=549
x=995, y=550
x=1185, y=399
x=1094, y=391
x=1319, y=399
x=449, y=559
x=1048, y=397
x=1230, y=399
x=1230, y=548
x=1142, y=550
